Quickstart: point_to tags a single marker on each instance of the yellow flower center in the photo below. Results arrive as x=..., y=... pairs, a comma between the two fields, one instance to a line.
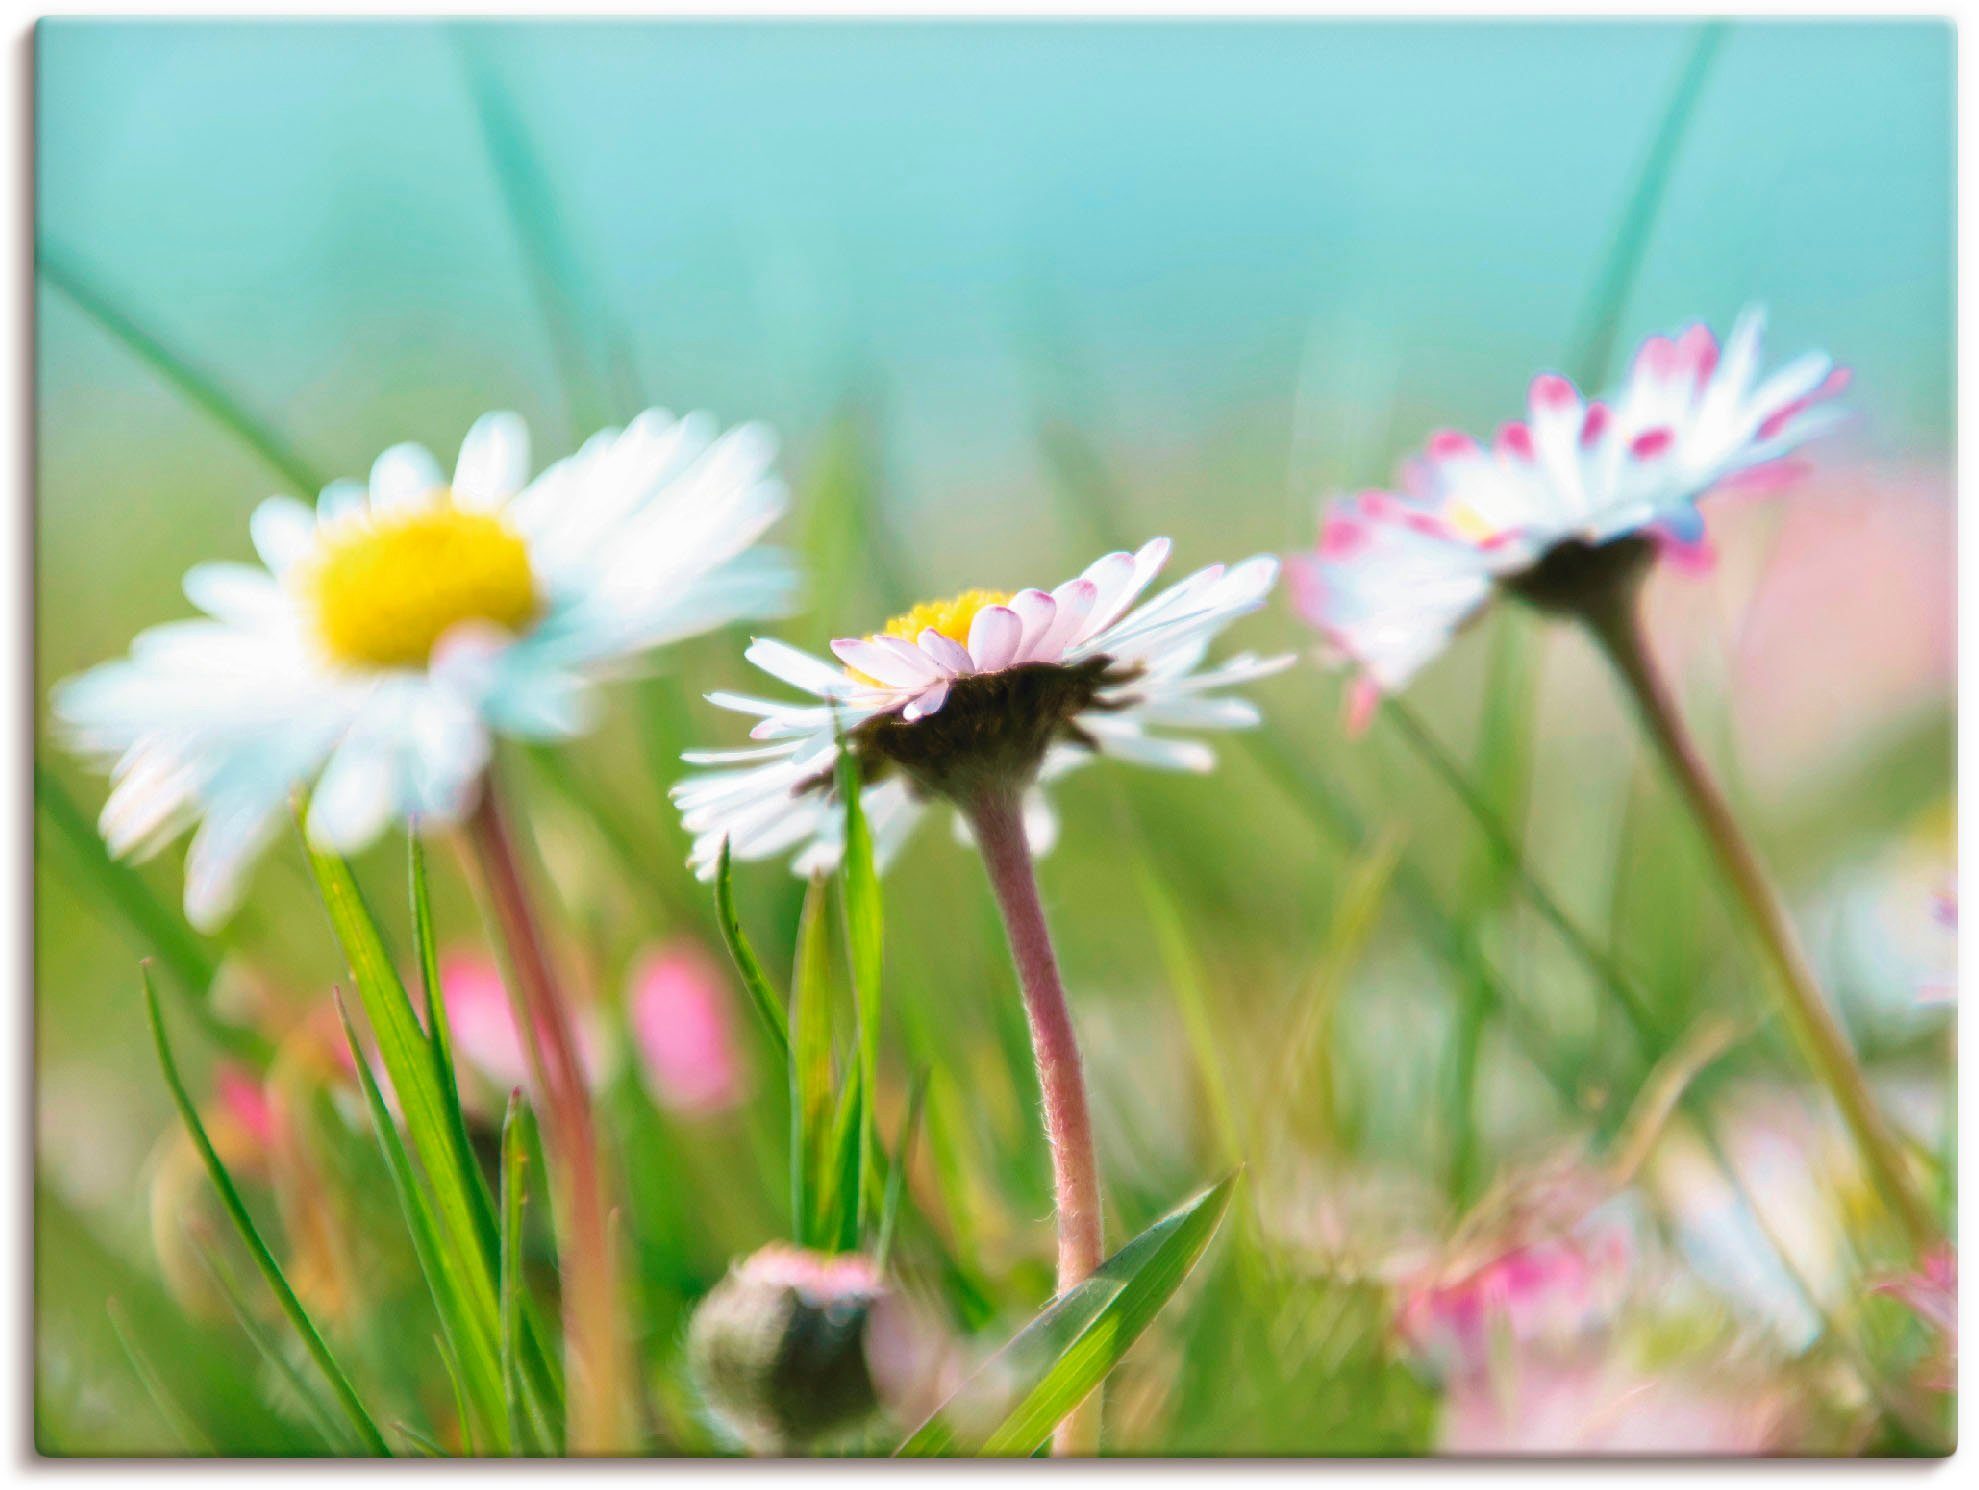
x=951, y=617
x=386, y=590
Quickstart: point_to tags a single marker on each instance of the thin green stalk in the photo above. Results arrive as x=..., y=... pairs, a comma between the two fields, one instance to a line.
x=1615, y=625
x=161, y=933
x=169, y=1407
x=199, y=387
x=236, y=1208
x=1594, y=341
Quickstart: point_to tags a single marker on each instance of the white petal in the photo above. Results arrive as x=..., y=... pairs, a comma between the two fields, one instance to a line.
x=926, y=703
x=240, y=593
x=799, y=669
x=355, y=798
x=283, y=530
x=993, y=637
x=947, y=654
x=494, y=461
x=404, y=476
x=892, y=668
x=1037, y=611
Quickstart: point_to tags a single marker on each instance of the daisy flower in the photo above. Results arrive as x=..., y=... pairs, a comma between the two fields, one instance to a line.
x=982, y=690
x=975, y=700
x=1577, y=490
x=389, y=633
x=1567, y=510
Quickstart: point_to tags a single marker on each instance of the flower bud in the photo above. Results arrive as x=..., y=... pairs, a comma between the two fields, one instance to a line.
x=778, y=1349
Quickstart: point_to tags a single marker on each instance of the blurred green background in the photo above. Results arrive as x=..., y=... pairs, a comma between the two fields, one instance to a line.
x=1012, y=294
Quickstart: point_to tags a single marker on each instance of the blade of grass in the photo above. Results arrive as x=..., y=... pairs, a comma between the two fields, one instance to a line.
x=866, y=938
x=896, y=1180
x=169, y=1407
x=336, y=1434
x=840, y=1203
x=1057, y=1360
x=548, y=260
x=200, y=388
x=1186, y=985
x=517, y=1124
x=810, y=1067
x=762, y=998
x=159, y=930
x=471, y=1348
x=236, y=1208
x=408, y=1056
x=1594, y=340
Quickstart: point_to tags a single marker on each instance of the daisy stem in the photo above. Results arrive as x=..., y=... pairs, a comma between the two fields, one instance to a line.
x=1616, y=625
x=998, y=819
x=596, y=1365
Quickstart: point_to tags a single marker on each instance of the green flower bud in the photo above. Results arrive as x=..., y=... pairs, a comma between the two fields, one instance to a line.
x=778, y=1349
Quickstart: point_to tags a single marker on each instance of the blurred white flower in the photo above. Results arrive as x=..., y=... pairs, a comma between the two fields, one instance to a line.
x=983, y=688
x=1395, y=575
x=390, y=632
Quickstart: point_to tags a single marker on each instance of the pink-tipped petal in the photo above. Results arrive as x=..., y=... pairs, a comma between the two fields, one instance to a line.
x=1037, y=610
x=947, y=654
x=993, y=637
x=1451, y=444
x=1514, y=442
x=1552, y=393
x=1650, y=443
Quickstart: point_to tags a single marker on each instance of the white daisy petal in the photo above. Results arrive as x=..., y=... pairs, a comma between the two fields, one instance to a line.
x=404, y=476
x=993, y=637
x=494, y=461
x=947, y=654
x=282, y=529
x=799, y=669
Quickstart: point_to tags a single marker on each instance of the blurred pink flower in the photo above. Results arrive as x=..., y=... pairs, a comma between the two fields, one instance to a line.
x=1833, y=621
x=678, y=1007
x=1931, y=1293
x=242, y=1097
x=1593, y=1405
x=1545, y=1259
x=482, y=1022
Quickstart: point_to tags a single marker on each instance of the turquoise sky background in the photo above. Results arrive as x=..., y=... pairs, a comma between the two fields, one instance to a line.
x=1271, y=256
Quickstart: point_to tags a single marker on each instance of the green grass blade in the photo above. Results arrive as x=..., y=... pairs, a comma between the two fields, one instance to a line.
x=849, y=1159
x=197, y=387
x=159, y=930
x=762, y=998
x=169, y=1407
x=1058, y=1359
x=322, y=1416
x=440, y=1032
x=896, y=1179
x=526, y=1432
x=1186, y=984
x=236, y=1208
x=866, y=937
x=1594, y=342
x=810, y=1067
x=472, y=1349
x=458, y=1190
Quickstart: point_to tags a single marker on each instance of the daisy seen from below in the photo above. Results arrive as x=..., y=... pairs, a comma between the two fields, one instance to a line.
x=1579, y=496
x=386, y=638
x=975, y=701
x=1568, y=510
